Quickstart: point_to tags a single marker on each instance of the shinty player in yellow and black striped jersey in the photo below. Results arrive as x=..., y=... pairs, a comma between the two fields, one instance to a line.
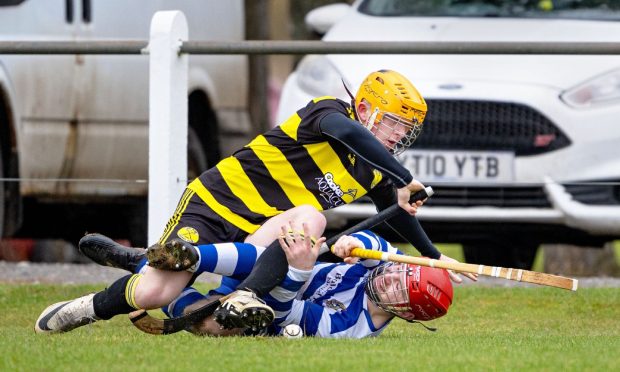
x=325, y=155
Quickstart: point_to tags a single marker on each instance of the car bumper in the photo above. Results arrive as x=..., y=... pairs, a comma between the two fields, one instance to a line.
x=593, y=219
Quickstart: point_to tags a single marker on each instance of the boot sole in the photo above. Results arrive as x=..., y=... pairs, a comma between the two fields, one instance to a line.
x=251, y=317
x=172, y=256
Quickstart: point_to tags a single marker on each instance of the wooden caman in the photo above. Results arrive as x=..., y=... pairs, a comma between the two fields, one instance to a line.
x=518, y=275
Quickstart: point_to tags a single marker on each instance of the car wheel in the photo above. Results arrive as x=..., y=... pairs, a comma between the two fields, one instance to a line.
x=504, y=252
x=2, y=195
x=196, y=157
x=203, y=128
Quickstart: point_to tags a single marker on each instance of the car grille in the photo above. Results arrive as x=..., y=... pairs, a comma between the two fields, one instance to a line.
x=504, y=196
x=488, y=126
x=601, y=193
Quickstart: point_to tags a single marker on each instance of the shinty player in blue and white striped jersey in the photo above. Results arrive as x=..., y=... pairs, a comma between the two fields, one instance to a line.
x=354, y=299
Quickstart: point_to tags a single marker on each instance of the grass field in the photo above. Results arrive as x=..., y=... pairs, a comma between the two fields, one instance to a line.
x=486, y=329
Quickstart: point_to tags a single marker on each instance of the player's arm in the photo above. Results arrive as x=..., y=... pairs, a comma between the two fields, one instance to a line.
x=363, y=143
x=301, y=254
x=410, y=229
x=362, y=239
x=406, y=226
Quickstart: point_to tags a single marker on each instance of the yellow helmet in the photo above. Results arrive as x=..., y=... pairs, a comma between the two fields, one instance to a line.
x=397, y=109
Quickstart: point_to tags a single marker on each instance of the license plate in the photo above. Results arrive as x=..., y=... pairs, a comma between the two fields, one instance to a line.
x=459, y=166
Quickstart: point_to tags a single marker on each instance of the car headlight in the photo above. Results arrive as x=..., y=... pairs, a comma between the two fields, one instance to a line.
x=603, y=89
x=319, y=77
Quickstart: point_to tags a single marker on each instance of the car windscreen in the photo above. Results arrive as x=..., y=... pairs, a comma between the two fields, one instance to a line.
x=556, y=9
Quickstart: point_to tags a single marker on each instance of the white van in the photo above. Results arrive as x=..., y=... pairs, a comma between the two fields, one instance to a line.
x=85, y=117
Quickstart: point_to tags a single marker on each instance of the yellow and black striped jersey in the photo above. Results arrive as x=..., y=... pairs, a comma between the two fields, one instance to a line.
x=290, y=165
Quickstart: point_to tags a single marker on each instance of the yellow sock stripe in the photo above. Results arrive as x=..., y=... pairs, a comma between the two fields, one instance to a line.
x=130, y=290
x=174, y=220
x=220, y=209
x=283, y=172
x=328, y=161
x=241, y=186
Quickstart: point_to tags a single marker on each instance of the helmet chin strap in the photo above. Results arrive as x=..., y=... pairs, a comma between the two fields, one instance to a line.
x=432, y=329
x=371, y=119
x=352, y=99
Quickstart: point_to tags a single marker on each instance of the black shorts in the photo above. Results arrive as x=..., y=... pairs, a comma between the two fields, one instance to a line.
x=196, y=223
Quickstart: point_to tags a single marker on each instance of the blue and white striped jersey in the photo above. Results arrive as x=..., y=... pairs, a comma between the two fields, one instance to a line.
x=328, y=301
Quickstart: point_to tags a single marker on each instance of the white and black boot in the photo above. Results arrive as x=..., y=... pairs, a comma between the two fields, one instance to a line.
x=67, y=315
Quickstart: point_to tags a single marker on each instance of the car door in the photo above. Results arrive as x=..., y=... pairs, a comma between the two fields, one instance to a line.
x=44, y=88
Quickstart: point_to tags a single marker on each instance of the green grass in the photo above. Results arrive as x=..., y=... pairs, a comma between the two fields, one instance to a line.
x=486, y=329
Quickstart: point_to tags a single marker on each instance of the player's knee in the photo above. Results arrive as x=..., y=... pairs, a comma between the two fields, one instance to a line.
x=316, y=220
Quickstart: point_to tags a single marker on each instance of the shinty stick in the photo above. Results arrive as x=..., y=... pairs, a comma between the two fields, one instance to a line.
x=518, y=275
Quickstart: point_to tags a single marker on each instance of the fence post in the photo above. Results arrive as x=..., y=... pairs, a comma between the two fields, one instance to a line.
x=167, y=118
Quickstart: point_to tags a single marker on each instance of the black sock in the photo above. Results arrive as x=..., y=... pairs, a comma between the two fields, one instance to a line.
x=269, y=270
x=111, y=301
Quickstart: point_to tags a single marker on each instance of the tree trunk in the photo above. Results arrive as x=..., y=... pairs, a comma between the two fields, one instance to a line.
x=257, y=28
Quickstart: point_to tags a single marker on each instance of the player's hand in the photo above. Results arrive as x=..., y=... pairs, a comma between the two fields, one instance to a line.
x=300, y=252
x=453, y=275
x=404, y=193
x=343, y=247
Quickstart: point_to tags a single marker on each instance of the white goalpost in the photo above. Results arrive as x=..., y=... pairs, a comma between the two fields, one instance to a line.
x=168, y=78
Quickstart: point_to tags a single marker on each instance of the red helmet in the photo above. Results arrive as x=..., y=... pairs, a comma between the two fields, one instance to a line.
x=410, y=291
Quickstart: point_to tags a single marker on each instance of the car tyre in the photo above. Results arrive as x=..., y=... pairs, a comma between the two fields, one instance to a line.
x=505, y=252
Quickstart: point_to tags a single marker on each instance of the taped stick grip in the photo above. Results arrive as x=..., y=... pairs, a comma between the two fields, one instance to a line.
x=421, y=194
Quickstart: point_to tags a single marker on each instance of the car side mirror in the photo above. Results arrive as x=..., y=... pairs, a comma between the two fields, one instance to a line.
x=321, y=19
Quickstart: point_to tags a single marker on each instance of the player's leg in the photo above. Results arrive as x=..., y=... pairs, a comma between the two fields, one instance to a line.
x=191, y=300
x=270, y=269
x=150, y=290
x=272, y=266
x=107, y=252
x=232, y=260
x=270, y=229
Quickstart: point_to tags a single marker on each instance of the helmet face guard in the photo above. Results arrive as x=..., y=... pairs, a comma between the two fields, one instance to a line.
x=395, y=132
x=410, y=291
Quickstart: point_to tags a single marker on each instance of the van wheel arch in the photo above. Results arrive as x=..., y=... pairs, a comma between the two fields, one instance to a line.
x=10, y=198
x=203, y=134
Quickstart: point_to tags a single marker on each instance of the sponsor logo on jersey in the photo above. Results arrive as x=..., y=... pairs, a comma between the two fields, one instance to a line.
x=331, y=192
x=189, y=234
x=331, y=282
x=334, y=304
x=377, y=177
x=351, y=159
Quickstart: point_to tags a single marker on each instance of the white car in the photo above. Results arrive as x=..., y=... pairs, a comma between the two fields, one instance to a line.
x=520, y=149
